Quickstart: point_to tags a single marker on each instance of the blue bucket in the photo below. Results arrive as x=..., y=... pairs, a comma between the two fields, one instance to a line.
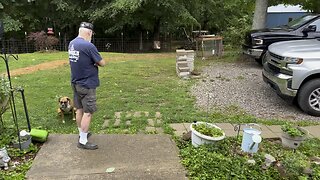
x=248, y=143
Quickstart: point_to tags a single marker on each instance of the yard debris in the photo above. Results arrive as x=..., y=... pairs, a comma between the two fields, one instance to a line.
x=315, y=160
x=110, y=170
x=307, y=171
x=268, y=161
x=4, y=158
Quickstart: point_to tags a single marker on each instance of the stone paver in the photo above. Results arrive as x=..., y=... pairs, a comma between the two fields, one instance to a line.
x=150, y=122
x=117, y=122
x=273, y=131
x=275, y=128
x=117, y=115
x=158, y=121
x=133, y=157
x=267, y=133
x=178, y=127
x=146, y=114
x=314, y=130
x=230, y=133
x=158, y=115
x=137, y=114
x=179, y=133
x=150, y=129
x=187, y=126
x=106, y=123
x=159, y=130
x=128, y=123
x=225, y=126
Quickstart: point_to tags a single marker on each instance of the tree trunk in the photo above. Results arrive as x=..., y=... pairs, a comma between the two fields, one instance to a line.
x=260, y=14
x=156, y=34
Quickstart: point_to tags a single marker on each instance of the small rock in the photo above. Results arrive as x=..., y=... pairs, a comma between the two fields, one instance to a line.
x=251, y=161
x=307, y=171
x=269, y=159
x=186, y=136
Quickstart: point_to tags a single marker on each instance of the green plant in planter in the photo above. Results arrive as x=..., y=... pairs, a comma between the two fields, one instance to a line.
x=4, y=93
x=207, y=130
x=292, y=131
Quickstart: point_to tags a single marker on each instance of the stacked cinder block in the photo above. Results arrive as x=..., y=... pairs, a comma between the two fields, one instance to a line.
x=184, y=62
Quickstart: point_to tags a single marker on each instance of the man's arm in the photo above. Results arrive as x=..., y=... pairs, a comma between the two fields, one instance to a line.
x=101, y=63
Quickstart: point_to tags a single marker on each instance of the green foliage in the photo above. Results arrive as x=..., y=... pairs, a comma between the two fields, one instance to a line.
x=4, y=87
x=291, y=130
x=224, y=160
x=218, y=161
x=312, y=5
x=207, y=130
x=294, y=164
x=11, y=24
x=23, y=157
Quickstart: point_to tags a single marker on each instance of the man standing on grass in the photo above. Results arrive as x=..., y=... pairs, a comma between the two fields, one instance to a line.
x=84, y=61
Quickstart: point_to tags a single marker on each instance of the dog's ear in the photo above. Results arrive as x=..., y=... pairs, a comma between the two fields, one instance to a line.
x=59, y=100
x=69, y=99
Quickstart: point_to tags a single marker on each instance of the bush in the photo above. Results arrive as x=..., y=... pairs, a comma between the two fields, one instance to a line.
x=42, y=41
x=234, y=35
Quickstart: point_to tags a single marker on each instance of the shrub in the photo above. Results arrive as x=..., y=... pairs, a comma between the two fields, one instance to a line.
x=42, y=41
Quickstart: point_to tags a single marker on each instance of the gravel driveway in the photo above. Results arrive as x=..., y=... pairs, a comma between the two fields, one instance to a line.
x=240, y=84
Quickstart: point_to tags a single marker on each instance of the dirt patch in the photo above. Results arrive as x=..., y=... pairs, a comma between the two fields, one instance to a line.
x=112, y=57
x=42, y=66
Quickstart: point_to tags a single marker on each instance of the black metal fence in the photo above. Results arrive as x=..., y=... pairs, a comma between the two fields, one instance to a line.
x=103, y=45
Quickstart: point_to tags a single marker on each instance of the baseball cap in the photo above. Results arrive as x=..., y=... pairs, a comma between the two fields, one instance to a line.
x=86, y=25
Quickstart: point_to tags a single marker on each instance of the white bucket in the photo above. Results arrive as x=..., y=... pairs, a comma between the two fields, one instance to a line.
x=250, y=140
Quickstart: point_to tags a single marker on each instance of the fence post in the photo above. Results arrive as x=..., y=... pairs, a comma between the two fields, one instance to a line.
x=26, y=38
x=122, y=42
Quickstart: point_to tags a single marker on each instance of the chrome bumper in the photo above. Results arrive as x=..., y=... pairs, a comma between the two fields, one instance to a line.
x=255, y=53
x=279, y=82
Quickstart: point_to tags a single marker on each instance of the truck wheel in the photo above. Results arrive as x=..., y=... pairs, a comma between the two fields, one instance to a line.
x=309, y=97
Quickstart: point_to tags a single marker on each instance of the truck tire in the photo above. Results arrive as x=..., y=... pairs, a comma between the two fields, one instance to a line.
x=309, y=97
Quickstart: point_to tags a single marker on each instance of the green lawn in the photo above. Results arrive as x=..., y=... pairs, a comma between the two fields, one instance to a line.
x=129, y=83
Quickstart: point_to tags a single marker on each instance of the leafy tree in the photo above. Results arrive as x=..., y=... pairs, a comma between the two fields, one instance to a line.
x=144, y=15
x=311, y=5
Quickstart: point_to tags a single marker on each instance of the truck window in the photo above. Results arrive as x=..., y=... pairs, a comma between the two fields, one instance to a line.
x=299, y=21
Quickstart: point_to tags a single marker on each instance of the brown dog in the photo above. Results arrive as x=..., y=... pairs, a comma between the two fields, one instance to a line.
x=66, y=107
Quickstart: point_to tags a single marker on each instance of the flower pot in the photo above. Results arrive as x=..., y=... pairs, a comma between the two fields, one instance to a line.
x=198, y=139
x=25, y=142
x=293, y=142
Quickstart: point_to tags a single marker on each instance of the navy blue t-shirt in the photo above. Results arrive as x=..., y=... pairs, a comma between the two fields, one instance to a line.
x=82, y=58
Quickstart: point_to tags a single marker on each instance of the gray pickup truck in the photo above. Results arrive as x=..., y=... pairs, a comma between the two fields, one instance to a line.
x=292, y=68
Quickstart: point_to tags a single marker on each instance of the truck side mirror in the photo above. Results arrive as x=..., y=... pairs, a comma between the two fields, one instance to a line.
x=310, y=28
